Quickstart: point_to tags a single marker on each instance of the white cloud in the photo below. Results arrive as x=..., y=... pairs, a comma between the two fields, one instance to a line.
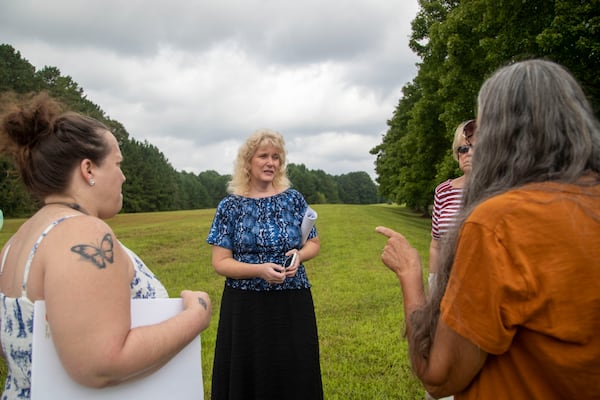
x=196, y=78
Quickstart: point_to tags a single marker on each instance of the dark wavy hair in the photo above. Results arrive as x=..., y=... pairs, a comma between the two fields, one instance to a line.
x=534, y=124
x=47, y=144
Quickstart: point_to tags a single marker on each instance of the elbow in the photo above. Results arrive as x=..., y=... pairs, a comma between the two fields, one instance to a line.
x=219, y=269
x=437, y=388
x=435, y=383
x=222, y=265
x=91, y=379
x=310, y=249
x=437, y=392
x=101, y=382
x=96, y=374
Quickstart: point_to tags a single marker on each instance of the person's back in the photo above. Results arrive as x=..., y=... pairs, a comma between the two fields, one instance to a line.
x=66, y=255
x=16, y=312
x=533, y=302
x=516, y=311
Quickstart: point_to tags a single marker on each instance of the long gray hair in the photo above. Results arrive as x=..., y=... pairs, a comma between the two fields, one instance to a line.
x=534, y=124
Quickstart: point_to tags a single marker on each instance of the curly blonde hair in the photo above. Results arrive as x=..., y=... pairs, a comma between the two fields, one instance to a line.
x=241, y=179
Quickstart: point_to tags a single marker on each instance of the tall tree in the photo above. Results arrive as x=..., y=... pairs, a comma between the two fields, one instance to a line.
x=573, y=39
x=357, y=188
x=15, y=200
x=151, y=180
x=414, y=143
x=304, y=182
x=65, y=89
x=460, y=43
x=16, y=73
x=215, y=185
x=191, y=193
x=327, y=188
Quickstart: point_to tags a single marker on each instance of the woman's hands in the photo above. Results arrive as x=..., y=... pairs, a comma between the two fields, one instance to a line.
x=291, y=269
x=226, y=265
x=276, y=274
x=273, y=273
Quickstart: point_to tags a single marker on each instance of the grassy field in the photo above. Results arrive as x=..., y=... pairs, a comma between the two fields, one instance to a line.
x=357, y=299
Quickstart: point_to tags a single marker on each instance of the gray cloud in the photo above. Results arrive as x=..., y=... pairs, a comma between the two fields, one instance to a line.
x=195, y=78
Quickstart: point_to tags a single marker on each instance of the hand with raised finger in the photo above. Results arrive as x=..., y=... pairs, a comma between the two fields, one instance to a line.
x=398, y=255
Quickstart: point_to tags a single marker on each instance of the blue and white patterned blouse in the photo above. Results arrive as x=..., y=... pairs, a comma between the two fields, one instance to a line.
x=16, y=319
x=260, y=231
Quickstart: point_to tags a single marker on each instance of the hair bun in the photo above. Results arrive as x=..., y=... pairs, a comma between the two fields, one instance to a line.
x=32, y=121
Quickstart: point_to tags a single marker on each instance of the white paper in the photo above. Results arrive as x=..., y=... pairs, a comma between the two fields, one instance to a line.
x=308, y=221
x=180, y=378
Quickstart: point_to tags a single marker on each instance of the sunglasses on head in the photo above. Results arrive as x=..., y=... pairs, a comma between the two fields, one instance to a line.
x=469, y=130
x=464, y=149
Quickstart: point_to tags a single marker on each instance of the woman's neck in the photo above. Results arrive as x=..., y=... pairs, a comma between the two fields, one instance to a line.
x=259, y=191
x=65, y=202
x=459, y=182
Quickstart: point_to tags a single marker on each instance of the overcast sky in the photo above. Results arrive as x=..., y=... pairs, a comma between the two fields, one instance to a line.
x=196, y=77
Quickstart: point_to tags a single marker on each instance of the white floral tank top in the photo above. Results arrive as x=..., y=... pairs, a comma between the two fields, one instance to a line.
x=16, y=319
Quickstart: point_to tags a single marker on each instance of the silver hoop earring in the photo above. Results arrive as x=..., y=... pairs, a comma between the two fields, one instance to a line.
x=92, y=182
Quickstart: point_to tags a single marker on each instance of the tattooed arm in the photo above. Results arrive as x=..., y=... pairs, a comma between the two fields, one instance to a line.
x=87, y=292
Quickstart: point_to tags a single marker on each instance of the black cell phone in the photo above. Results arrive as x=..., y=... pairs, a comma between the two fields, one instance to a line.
x=290, y=260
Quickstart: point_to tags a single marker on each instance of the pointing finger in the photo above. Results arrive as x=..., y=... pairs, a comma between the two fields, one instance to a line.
x=386, y=231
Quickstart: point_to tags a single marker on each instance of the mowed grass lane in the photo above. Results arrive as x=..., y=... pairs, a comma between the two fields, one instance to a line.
x=357, y=299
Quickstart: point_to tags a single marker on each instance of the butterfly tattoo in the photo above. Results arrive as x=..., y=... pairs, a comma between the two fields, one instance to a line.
x=97, y=255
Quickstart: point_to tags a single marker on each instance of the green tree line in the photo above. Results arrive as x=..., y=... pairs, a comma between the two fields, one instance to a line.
x=152, y=182
x=459, y=44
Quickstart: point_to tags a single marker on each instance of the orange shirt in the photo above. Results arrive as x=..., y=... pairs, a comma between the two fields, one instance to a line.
x=525, y=287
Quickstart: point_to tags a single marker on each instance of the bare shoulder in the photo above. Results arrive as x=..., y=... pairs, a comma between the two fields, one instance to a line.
x=83, y=241
x=85, y=224
x=79, y=230
x=79, y=251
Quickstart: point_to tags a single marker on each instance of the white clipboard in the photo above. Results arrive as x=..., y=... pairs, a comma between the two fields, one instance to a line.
x=180, y=378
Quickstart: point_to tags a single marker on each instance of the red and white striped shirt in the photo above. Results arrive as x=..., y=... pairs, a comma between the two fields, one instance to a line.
x=446, y=204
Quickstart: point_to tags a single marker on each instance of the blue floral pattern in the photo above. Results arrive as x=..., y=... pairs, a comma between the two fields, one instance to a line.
x=16, y=321
x=260, y=231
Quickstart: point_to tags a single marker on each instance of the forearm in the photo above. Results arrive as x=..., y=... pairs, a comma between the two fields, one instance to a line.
x=449, y=363
x=452, y=363
x=231, y=268
x=144, y=350
x=404, y=260
x=310, y=249
x=434, y=256
x=413, y=291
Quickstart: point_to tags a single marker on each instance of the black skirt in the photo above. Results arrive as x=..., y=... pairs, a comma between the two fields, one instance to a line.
x=267, y=347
